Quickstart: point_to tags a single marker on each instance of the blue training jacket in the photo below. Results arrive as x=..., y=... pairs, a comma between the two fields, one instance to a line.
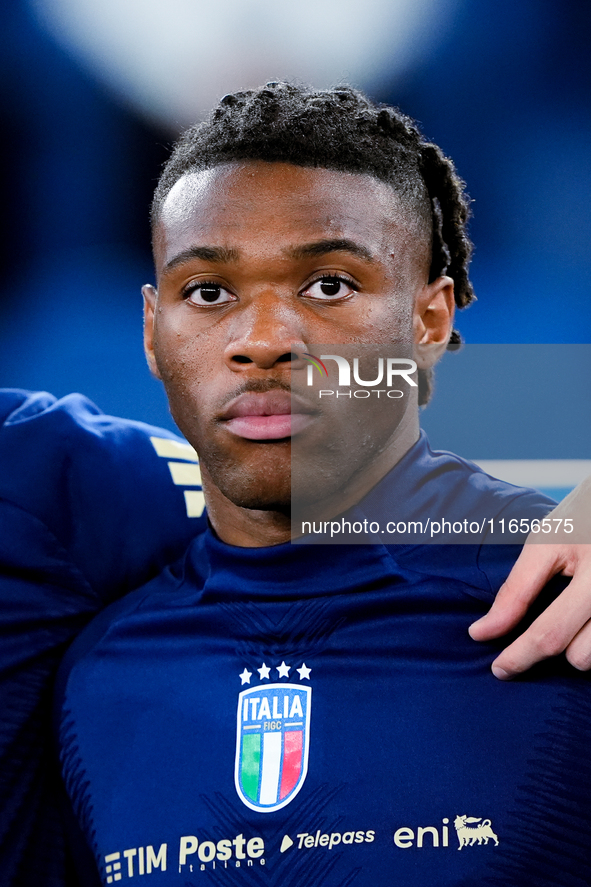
x=318, y=716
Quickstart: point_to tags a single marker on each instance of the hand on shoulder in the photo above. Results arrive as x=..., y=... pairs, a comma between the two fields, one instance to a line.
x=565, y=626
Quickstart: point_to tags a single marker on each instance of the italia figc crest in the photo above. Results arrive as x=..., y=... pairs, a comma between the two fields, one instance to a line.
x=272, y=738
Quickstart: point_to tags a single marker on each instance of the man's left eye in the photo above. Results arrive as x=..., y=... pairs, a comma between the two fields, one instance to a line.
x=330, y=288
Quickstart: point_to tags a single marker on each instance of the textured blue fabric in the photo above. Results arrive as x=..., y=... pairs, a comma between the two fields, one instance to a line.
x=87, y=511
x=414, y=748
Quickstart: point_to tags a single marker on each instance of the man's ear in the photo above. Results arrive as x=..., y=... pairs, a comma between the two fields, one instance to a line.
x=433, y=320
x=150, y=295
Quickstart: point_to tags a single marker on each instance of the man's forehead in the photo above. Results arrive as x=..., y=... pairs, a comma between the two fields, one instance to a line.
x=239, y=199
x=187, y=194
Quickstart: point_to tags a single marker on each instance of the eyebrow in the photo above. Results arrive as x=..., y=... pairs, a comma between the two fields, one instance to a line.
x=221, y=254
x=322, y=247
x=206, y=253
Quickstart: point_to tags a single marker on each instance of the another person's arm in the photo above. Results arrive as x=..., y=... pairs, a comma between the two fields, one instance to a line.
x=565, y=626
x=90, y=507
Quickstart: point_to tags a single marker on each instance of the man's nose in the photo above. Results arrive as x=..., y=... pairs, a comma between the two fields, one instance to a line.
x=265, y=333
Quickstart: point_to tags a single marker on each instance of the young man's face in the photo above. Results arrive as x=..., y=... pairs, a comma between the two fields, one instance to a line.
x=256, y=263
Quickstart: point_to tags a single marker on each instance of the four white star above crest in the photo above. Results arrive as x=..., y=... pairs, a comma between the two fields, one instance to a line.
x=264, y=671
x=245, y=676
x=283, y=671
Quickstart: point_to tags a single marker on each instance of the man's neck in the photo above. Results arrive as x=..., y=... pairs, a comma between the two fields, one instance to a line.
x=252, y=528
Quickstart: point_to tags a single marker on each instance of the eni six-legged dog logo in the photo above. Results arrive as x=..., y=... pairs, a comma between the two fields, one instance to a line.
x=473, y=830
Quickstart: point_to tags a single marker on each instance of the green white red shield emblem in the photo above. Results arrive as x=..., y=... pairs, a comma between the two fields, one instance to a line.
x=272, y=740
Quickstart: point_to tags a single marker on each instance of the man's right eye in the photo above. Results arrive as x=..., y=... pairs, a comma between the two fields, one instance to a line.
x=205, y=293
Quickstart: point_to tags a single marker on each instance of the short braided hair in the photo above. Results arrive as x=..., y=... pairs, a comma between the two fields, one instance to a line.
x=338, y=129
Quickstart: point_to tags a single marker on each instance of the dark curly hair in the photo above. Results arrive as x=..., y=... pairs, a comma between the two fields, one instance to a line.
x=338, y=129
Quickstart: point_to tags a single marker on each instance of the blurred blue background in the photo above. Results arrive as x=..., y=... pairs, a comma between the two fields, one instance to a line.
x=91, y=98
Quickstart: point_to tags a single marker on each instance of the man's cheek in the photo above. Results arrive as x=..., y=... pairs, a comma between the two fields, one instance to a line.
x=175, y=359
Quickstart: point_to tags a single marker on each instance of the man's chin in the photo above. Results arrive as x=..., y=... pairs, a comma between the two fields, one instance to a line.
x=257, y=494
x=270, y=487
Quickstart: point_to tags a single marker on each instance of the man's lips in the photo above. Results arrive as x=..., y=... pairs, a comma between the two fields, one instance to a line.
x=271, y=415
